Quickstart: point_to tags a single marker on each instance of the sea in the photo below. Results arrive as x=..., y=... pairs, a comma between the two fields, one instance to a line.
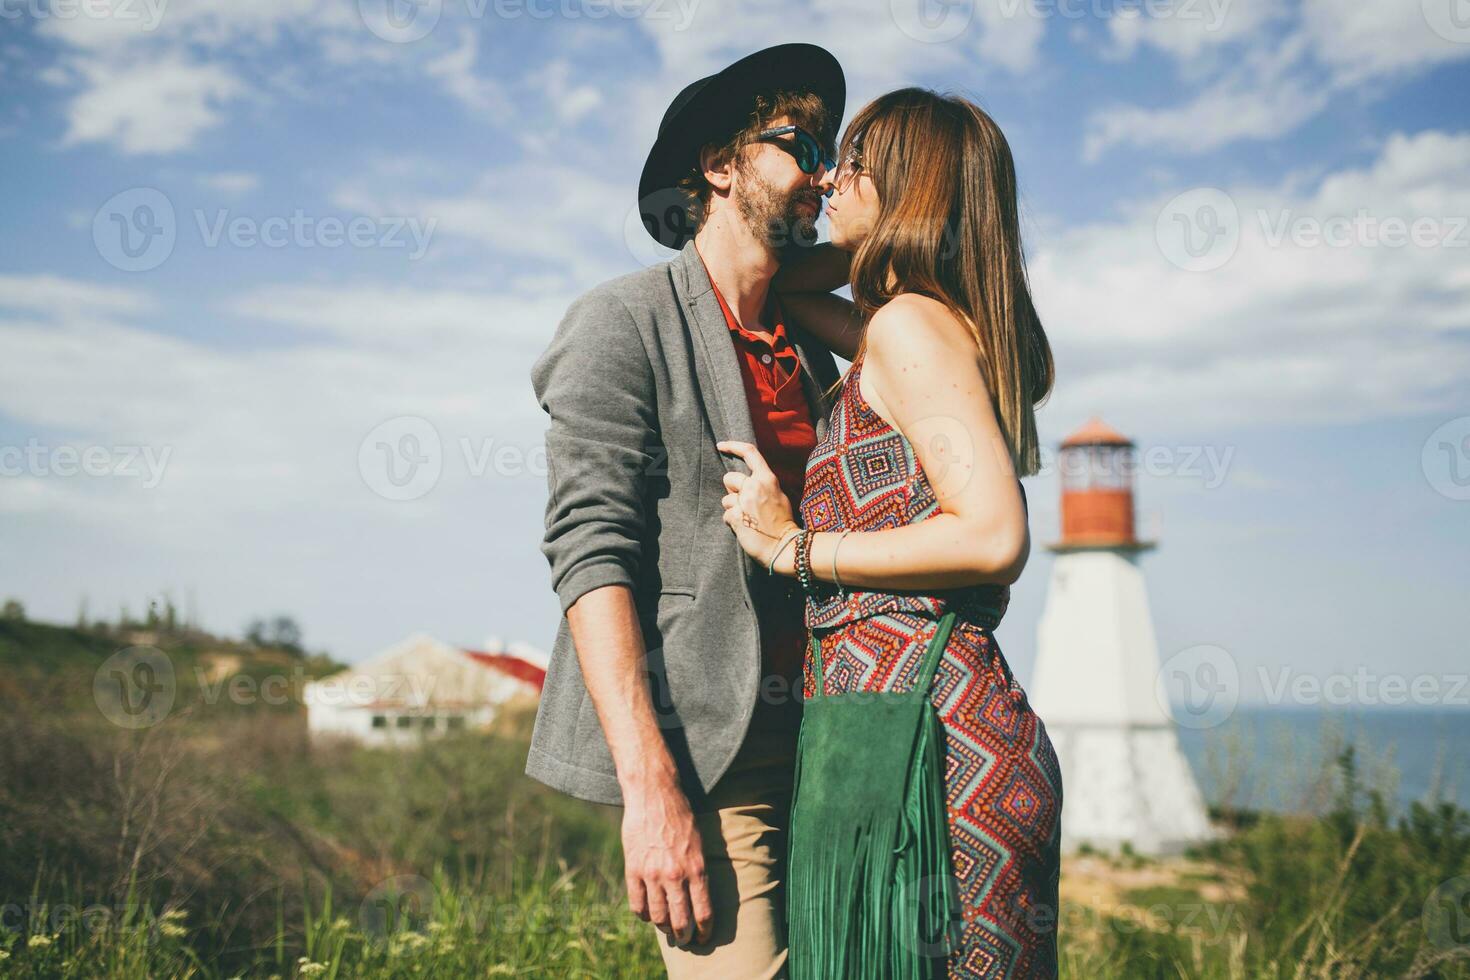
x=1285, y=759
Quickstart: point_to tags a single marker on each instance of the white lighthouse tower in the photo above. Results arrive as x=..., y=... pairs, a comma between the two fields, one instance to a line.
x=1124, y=778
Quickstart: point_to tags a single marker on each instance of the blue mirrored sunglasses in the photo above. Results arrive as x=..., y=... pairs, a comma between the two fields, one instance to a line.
x=804, y=147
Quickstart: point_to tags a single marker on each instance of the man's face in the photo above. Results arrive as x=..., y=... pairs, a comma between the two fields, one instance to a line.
x=778, y=202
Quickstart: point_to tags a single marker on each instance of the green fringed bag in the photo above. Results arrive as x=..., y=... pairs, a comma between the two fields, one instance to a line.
x=869, y=888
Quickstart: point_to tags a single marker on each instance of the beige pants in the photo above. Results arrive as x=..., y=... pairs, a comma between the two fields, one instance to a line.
x=744, y=844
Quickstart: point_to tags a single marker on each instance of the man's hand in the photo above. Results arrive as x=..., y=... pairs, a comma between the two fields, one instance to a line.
x=664, y=863
x=663, y=859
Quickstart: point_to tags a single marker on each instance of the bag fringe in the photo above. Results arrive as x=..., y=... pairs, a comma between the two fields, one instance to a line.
x=874, y=899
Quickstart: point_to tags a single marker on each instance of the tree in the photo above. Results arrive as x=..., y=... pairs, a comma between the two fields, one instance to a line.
x=280, y=631
x=13, y=611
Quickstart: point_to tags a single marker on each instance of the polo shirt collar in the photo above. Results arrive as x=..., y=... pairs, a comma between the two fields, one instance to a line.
x=773, y=306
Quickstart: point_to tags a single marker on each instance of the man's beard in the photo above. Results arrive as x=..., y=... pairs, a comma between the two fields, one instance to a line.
x=775, y=218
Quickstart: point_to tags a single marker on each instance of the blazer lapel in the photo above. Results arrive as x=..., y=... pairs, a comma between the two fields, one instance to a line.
x=721, y=385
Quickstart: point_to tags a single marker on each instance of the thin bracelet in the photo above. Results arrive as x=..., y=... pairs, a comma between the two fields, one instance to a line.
x=786, y=539
x=835, y=577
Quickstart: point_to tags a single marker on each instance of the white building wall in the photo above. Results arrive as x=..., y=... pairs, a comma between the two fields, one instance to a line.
x=417, y=679
x=1124, y=777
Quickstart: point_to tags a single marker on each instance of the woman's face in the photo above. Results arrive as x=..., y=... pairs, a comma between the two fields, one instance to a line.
x=852, y=211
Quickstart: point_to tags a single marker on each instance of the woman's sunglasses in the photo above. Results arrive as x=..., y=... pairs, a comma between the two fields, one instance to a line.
x=805, y=148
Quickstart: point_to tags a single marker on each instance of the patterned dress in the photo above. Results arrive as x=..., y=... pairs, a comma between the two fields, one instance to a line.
x=1002, y=781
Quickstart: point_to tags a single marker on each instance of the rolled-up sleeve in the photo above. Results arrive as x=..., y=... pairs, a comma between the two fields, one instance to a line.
x=596, y=384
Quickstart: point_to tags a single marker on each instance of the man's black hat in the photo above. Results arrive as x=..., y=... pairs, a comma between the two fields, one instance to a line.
x=715, y=107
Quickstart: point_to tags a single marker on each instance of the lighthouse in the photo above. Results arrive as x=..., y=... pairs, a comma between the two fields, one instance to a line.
x=1097, y=663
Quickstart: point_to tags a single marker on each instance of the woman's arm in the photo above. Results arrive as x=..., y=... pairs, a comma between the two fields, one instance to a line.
x=924, y=372
x=923, y=367
x=805, y=287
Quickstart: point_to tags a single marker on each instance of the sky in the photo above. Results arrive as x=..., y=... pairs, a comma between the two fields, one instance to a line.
x=273, y=275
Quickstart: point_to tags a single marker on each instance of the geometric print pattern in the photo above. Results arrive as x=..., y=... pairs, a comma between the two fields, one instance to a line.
x=863, y=474
x=1003, y=785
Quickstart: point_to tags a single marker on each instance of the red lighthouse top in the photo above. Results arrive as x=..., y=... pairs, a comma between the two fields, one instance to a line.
x=1097, y=466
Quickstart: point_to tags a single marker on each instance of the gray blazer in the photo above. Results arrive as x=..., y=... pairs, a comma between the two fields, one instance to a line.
x=640, y=380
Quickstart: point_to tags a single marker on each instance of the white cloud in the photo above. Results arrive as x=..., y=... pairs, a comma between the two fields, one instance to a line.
x=230, y=182
x=880, y=43
x=455, y=71
x=1260, y=98
x=1010, y=34
x=155, y=106
x=150, y=76
x=1362, y=41
x=570, y=218
x=106, y=25
x=148, y=73
x=569, y=100
x=401, y=317
x=248, y=430
x=57, y=294
x=267, y=496
x=1263, y=69
x=1186, y=31
x=1286, y=331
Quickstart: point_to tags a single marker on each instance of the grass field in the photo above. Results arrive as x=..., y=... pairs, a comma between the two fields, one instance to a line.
x=219, y=842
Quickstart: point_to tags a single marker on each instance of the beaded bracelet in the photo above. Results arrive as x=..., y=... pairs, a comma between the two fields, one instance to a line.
x=804, y=560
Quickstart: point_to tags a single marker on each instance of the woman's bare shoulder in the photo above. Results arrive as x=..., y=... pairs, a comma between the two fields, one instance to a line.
x=919, y=326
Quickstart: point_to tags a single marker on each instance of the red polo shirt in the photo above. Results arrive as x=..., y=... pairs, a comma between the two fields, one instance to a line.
x=785, y=436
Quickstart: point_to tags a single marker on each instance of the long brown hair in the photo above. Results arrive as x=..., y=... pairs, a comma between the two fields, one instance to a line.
x=948, y=228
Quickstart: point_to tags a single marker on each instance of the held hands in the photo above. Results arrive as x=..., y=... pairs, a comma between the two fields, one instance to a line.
x=756, y=508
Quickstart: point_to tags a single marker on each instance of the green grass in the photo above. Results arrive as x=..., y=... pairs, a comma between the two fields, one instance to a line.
x=222, y=843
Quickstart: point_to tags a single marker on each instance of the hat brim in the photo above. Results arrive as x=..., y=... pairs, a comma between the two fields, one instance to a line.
x=721, y=108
